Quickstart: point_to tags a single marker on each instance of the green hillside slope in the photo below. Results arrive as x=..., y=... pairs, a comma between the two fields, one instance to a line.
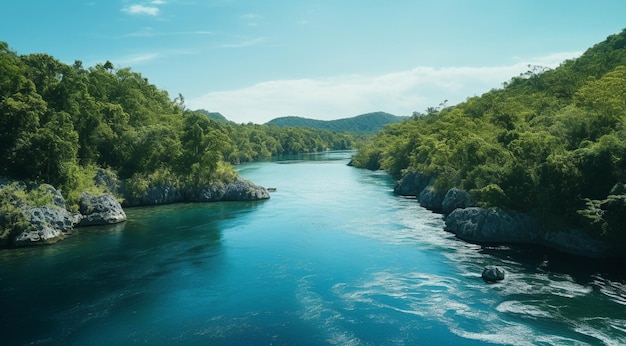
x=550, y=142
x=364, y=123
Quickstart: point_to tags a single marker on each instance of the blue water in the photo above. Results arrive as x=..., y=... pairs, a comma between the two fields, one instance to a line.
x=332, y=258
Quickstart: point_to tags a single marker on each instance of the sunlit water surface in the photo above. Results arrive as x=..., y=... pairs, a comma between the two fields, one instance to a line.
x=332, y=258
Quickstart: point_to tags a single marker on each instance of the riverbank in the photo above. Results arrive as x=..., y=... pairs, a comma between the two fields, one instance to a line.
x=494, y=226
x=37, y=214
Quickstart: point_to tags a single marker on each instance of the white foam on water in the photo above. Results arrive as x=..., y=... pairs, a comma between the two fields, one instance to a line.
x=585, y=329
x=532, y=309
x=432, y=297
x=315, y=309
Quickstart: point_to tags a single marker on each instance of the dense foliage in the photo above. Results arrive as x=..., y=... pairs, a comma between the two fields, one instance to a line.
x=364, y=123
x=59, y=123
x=550, y=142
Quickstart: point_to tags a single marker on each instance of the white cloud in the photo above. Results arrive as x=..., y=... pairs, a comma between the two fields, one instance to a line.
x=139, y=58
x=133, y=60
x=142, y=10
x=243, y=44
x=150, y=32
x=399, y=93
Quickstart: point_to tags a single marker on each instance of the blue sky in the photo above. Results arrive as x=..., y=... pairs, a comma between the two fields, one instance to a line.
x=257, y=60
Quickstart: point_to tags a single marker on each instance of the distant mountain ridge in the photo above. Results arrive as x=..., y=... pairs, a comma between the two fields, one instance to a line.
x=364, y=123
x=213, y=115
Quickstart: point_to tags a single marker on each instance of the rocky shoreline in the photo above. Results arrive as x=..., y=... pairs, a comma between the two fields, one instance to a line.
x=53, y=222
x=495, y=226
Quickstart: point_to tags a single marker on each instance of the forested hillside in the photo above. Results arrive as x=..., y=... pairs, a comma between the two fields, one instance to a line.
x=212, y=115
x=59, y=123
x=364, y=123
x=550, y=142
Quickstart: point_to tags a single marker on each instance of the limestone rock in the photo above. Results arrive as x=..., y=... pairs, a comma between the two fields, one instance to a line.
x=496, y=226
x=101, y=209
x=239, y=190
x=455, y=199
x=431, y=199
x=412, y=183
x=493, y=225
x=493, y=274
x=48, y=224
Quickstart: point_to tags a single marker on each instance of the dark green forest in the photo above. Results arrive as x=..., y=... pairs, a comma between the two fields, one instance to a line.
x=550, y=142
x=59, y=123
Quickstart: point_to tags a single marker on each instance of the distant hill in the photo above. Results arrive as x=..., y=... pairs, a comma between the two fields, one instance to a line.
x=364, y=123
x=213, y=115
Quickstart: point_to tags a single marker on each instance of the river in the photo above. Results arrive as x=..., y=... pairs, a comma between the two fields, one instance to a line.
x=332, y=258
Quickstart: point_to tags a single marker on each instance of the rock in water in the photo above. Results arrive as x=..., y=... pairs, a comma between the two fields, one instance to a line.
x=100, y=210
x=493, y=274
x=48, y=223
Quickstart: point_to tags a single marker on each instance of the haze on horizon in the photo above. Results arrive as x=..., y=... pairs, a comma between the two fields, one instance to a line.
x=255, y=61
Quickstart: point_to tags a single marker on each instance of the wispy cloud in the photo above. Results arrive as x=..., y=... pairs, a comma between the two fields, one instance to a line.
x=248, y=43
x=398, y=93
x=142, y=10
x=139, y=58
x=252, y=19
x=133, y=60
x=150, y=32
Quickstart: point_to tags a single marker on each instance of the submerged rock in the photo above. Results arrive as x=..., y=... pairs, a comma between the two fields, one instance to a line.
x=101, y=209
x=493, y=274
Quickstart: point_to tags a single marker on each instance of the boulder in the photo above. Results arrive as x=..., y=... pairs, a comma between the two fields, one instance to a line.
x=454, y=199
x=493, y=274
x=244, y=190
x=493, y=225
x=48, y=224
x=167, y=193
x=412, y=183
x=431, y=199
x=101, y=209
x=238, y=190
x=496, y=226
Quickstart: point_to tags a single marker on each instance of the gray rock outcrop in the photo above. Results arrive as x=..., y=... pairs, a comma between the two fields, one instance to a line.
x=432, y=199
x=48, y=224
x=496, y=226
x=167, y=193
x=412, y=183
x=492, y=225
x=101, y=209
x=455, y=199
x=239, y=190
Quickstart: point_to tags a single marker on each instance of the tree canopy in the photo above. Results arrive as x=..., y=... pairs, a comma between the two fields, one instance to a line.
x=59, y=123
